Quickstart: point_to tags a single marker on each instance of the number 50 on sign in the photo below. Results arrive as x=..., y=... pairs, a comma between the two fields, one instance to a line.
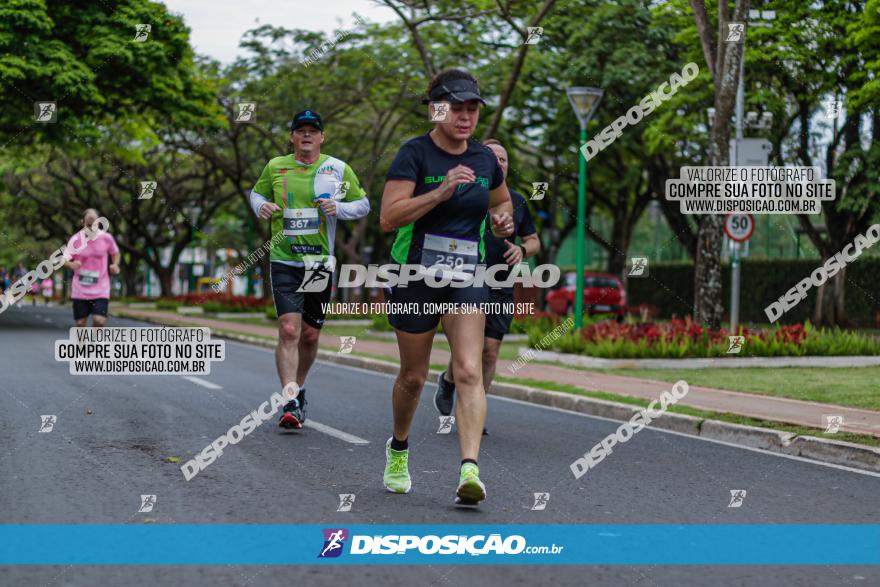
x=739, y=227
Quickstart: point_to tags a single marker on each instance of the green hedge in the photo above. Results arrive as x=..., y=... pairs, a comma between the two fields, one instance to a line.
x=172, y=305
x=670, y=287
x=616, y=341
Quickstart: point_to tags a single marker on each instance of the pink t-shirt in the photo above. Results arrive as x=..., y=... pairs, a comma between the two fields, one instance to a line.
x=92, y=280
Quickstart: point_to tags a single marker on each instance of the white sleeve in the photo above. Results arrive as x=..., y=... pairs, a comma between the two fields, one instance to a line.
x=257, y=202
x=352, y=210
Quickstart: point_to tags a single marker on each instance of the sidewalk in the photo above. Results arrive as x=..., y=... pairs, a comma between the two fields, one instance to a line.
x=777, y=409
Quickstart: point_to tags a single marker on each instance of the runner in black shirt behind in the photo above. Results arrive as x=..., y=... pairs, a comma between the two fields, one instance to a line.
x=437, y=195
x=498, y=251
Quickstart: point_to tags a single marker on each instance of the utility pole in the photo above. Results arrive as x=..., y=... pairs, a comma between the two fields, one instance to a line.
x=734, y=246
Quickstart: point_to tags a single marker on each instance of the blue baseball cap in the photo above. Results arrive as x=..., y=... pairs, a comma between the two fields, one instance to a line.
x=307, y=117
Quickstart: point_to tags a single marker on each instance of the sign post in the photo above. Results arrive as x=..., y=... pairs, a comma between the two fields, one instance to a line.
x=739, y=229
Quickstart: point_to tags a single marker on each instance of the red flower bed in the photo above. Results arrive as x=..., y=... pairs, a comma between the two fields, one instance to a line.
x=676, y=330
x=196, y=299
x=794, y=333
x=244, y=302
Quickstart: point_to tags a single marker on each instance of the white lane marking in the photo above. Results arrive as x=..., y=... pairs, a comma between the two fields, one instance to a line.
x=202, y=382
x=330, y=431
x=570, y=413
x=712, y=440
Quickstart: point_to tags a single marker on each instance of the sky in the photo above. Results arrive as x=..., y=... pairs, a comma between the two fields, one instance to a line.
x=217, y=25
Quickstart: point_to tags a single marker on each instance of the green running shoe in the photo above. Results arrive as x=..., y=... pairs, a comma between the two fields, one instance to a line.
x=471, y=490
x=396, y=478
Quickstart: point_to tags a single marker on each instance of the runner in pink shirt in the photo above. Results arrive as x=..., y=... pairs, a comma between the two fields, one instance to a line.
x=47, y=285
x=91, y=275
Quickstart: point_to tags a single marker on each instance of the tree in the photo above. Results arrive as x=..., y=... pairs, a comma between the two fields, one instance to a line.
x=723, y=59
x=463, y=19
x=53, y=195
x=363, y=84
x=811, y=68
x=620, y=48
x=87, y=61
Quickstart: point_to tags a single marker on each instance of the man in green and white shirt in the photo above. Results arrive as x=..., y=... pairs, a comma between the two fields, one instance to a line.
x=304, y=194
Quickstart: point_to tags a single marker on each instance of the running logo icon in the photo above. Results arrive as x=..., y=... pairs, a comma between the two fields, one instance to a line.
x=148, y=188
x=346, y=344
x=346, y=500
x=535, y=34
x=446, y=423
x=735, y=32
x=317, y=274
x=737, y=496
x=638, y=267
x=147, y=503
x=832, y=109
x=142, y=32
x=334, y=541
x=341, y=188
x=539, y=190
x=541, y=500
x=247, y=112
x=290, y=391
x=47, y=423
x=440, y=110
x=736, y=344
x=833, y=423
x=45, y=111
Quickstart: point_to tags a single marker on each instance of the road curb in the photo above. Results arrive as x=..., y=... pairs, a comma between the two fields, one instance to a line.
x=573, y=360
x=751, y=436
x=810, y=447
x=683, y=423
x=836, y=451
x=813, y=448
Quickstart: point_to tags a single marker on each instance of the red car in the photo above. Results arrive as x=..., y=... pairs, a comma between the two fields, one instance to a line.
x=603, y=294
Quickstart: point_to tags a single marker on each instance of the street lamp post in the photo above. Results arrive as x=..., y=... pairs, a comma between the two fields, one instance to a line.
x=742, y=119
x=194, y=211
x=151, y=228
x=250, y=245
x=584, y=102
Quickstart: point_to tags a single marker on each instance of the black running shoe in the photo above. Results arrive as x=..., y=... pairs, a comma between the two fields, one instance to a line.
x=303, y=404
x=292, y=417
x=444, y=397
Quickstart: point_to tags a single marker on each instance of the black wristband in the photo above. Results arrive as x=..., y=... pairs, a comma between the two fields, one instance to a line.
x=525, y=254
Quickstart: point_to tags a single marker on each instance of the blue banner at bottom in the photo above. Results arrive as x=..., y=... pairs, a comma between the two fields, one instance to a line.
x=267, y=544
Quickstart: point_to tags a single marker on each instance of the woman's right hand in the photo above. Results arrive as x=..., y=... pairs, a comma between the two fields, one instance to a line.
x=458, y=175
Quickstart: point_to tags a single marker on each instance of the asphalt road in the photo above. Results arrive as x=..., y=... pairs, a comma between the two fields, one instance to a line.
x=113, y=434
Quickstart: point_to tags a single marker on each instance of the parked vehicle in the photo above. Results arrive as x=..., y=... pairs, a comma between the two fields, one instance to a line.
x=603, y=294
x=206, y=284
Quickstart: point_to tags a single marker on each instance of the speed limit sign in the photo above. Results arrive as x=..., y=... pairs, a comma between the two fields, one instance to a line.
x=739, y=227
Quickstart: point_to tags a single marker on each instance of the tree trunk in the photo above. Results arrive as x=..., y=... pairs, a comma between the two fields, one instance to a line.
x=708, y=306
x=165, y=275
x=725, y=65
x=839, y=295
x=819, y=308
x=620, y=236
x=266, y=280
x=830, y=307
x=130, y=277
